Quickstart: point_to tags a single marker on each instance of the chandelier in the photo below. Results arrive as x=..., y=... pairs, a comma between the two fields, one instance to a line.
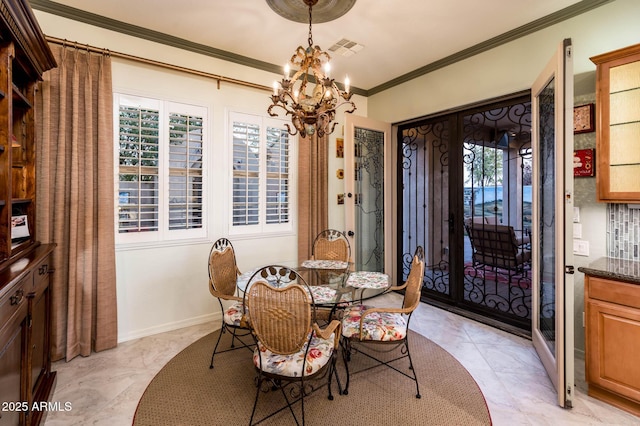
x=310, y=96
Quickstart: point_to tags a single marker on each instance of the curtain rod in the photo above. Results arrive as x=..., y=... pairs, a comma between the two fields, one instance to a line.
x=219, y=78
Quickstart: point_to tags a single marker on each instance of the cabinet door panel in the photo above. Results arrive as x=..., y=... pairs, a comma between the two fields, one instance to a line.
x=624, y=107
x=618, y=122
x=38, y=339
x=625, y=178
x=10, y=374
x=623, y=148
x=614, y=339
x=624, y=77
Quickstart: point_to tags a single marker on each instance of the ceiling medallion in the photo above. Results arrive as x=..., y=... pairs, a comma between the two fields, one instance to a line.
x=323, y=10
x=310, y=96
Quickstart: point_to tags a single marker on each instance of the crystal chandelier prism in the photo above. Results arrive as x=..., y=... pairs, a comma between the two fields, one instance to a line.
x=311, y=97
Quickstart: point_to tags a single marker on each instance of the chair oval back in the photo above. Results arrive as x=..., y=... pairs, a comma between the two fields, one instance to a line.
x=223, y=270
x=414, y=280
x=280, y=317
x=331, y=244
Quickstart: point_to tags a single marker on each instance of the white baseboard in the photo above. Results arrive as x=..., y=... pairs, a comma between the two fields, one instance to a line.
x=137, y=334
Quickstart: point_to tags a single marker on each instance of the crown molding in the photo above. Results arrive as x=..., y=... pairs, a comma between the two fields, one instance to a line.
x=58, y=9
x=524, y=30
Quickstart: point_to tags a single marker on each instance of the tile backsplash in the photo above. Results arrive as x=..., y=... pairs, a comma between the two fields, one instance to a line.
x=623, y=232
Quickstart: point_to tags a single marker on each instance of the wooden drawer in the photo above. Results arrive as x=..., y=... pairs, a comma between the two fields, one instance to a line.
x=41, y=276
x=613, y=291
x=12, y=302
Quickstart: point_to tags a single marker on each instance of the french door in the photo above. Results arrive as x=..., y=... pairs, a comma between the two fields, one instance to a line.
x=552, y=254
x=432, y=199
x=369, y=205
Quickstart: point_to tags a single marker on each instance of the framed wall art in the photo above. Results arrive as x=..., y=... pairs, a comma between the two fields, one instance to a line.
x=583, y=118
x=584, y=161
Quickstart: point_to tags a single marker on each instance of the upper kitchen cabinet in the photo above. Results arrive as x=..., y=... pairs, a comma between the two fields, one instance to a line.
x=618, y=125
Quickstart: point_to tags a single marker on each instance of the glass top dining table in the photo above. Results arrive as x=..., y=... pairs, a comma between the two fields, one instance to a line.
x=332, y=283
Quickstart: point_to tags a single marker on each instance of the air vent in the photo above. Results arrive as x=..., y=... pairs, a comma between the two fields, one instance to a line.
x=346, y=47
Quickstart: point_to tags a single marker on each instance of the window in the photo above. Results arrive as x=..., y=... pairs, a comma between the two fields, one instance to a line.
x=262, y=175
x=160, y=154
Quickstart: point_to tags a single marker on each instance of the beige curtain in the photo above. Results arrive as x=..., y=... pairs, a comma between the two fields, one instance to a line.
x=313, y=215
x=75, y=182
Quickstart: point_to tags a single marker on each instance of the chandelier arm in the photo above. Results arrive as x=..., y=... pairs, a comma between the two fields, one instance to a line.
x=289, y=130
x=275, y=105
x=297, y=75
x=348, y=111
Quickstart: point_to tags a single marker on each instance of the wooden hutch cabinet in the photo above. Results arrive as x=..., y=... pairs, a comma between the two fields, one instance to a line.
x=618, y=125
x=26, y=379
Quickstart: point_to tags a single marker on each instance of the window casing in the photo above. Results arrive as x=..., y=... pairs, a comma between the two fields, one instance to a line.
x=160, y=150
x=263, y=178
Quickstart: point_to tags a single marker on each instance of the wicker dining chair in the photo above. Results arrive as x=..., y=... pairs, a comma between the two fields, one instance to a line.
x=367, y=325
x=280, y=305
x=331, y=244
x=223, y=275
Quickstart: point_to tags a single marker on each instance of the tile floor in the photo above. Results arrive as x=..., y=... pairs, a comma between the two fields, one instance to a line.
x=104, y=389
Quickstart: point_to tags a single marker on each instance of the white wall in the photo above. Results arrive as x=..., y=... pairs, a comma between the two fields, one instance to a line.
x=165, y=287
x=511, y=67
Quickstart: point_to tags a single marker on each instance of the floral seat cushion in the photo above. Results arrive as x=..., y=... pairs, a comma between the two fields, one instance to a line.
x=233, y=314
x=322, y=294
x=325, y=264
x=366, y=279
x=291, y=365
x=378, y=326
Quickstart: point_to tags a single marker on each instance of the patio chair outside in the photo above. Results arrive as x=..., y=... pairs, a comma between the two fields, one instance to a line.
x=498, y=246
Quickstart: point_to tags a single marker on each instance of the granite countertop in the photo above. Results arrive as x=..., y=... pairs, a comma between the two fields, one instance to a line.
x=615, y=269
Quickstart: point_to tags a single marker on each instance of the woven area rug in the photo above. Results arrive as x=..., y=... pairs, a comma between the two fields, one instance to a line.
x=187, y=392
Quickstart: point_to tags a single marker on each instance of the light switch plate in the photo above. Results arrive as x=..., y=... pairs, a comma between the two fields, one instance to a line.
x=577, y=230
x=581, y=247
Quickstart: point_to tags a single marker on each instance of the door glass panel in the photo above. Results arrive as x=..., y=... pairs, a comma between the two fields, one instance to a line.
x=471, y=170
x=425, y=202
x=369, y=199
x=547, y=215
x=496, y=152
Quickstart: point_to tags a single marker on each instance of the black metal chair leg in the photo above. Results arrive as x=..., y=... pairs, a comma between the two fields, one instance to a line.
x=346, y=352
x=255, y=402
x=222, y=330
x=332, y=369
x=415, y=376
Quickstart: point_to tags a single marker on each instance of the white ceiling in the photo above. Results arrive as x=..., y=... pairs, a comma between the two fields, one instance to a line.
x=399, y=36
